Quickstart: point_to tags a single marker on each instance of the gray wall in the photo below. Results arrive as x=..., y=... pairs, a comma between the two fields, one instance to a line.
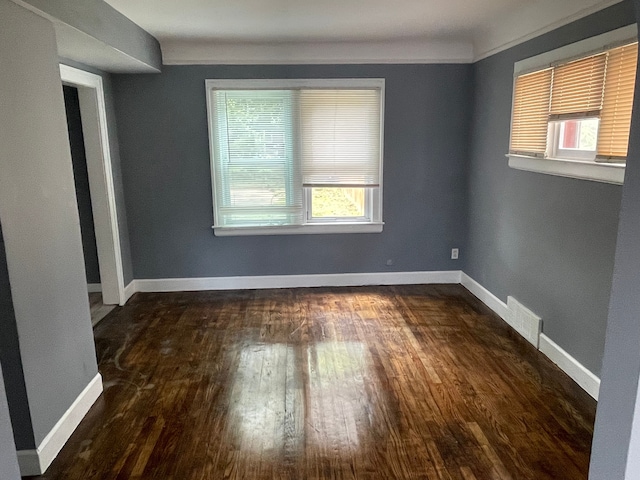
x=116, y=168
x=616, y=445
x=81, y=180
x=548, y=241
x=8, y=460
x=11, y=360
x=40, y=221
x=162, y=127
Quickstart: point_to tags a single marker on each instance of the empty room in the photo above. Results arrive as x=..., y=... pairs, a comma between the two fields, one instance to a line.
x=319, y=240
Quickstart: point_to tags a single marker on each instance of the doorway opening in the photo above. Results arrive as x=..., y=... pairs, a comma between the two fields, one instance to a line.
x=85, y=211
x=98, y=215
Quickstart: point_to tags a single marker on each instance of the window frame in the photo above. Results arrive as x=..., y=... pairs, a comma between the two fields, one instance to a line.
x=371, y=223
x=557, y=153
x=571, y=164
x=366, y=218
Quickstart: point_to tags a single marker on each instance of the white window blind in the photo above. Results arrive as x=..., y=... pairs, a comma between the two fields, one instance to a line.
x=256, y=180
x=340, y=137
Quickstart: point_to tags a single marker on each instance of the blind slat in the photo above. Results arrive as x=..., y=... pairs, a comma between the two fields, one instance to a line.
x=577, y=87
x=531, y=113
x=600, y=86
x=256, y=180
x=615, y=119
x=340, y=137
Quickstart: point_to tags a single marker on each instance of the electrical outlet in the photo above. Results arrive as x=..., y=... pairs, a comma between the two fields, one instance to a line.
x=454, y=254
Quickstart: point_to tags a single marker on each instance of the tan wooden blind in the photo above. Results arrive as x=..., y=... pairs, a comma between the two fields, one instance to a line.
x=577, y=88
x=615, y=118
x=531, y=113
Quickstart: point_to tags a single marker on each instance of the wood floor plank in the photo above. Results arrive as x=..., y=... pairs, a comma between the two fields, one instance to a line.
x=398, y=382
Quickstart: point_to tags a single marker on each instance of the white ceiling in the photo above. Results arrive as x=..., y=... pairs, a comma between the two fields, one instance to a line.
x=310, y=20
x=258, y=22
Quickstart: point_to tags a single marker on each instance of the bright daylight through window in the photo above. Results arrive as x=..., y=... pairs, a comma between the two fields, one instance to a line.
x=296, y=156
x=572, y=117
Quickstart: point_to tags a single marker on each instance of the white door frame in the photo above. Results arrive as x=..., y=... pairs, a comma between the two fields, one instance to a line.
x=105, y=216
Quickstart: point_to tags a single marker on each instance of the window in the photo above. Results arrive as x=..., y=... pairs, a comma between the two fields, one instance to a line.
x=296, y=156
x=572, y=115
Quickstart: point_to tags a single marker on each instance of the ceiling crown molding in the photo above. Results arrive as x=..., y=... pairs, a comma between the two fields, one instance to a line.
x=185, y=52
x=533, y=20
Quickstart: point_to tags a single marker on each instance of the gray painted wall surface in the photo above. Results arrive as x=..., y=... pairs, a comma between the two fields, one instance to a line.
x=116, y=168
x=81, y=180
x=11, y=360
x=40, y=221
x=162, y=127
x=101, y=21
x=548, y=241
x=8, y=460
x=616, y=444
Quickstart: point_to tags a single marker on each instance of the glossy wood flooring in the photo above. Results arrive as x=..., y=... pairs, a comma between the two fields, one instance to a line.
x=405, y=382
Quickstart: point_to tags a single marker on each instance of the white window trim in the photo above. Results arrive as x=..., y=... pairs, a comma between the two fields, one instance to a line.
x=580, y=169
x=565, y=167
x=368, y=216
x=375, y=223
x=310, y=228
x=555, y=152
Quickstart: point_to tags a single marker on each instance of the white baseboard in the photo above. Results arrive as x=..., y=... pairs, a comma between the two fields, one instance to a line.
x=129, y=291
x=485, y=296
x=94, y=287
x=294, y=281
x=569, y=365
x=36, y=462
x=589, y=382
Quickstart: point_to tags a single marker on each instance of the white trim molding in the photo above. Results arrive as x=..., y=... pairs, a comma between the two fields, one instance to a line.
x=589, y=382
x=189, y=52
x=129, y=290
x=580, y=49
x=295, y=281
x=36, y=462
x=485, y=296
x=533, y=20
x=580, y=169
x=103, y=198
x=306, y=229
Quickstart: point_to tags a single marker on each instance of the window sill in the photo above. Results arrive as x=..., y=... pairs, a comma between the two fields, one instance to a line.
x=308, y=229
x=583, y=170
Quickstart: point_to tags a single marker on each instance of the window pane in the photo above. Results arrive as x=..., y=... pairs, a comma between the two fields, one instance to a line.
x=337, y=202
x=579, y=134
x=569, y=137
x=588, y=134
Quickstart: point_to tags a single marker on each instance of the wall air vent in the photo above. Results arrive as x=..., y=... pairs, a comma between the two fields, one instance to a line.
x=524, y=321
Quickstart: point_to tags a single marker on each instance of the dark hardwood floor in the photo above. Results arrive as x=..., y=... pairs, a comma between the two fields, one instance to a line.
x=404, y=382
